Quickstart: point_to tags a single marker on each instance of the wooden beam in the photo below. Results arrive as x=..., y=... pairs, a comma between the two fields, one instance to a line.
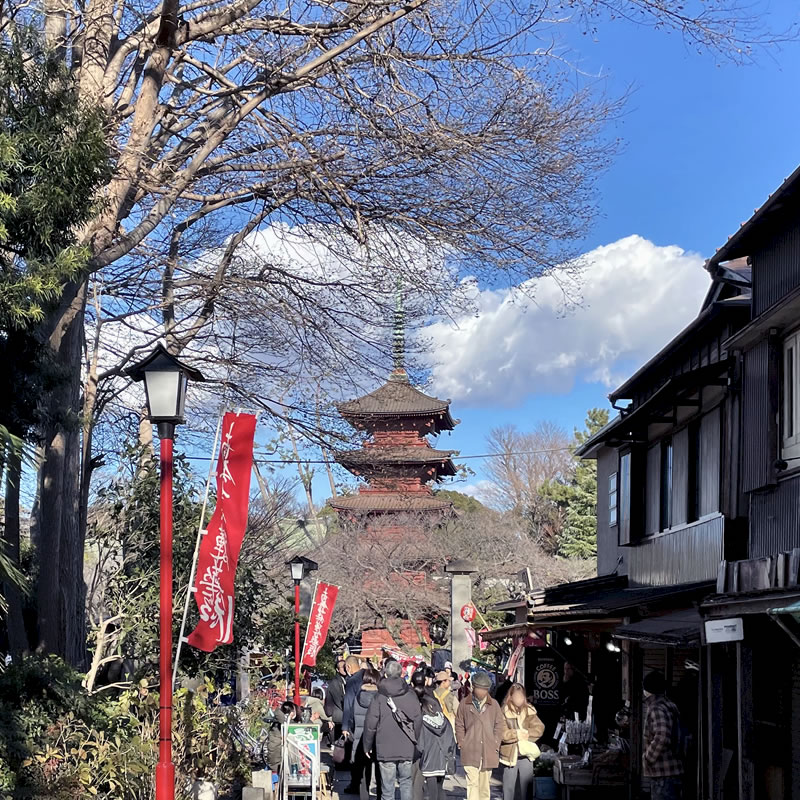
x=744, y=680
x=636, y=662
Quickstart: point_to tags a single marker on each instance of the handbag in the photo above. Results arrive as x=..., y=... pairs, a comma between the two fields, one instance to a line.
x=450, y=766
x=338, y=750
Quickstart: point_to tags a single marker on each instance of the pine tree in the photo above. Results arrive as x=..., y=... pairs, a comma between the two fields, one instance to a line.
x=577, y=497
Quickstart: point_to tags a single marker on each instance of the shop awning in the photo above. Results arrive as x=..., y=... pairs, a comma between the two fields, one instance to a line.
x=677, y=629
x=601, y=607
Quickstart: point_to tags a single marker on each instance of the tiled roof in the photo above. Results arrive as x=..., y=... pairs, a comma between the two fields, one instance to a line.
x=408, y=454
x=374, y=501
x=396, y=398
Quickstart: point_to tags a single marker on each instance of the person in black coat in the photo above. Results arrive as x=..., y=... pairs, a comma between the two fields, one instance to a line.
x=392, y=730
x=334, y=699
x=352, y=687
x=437, y=746
x=362, y=773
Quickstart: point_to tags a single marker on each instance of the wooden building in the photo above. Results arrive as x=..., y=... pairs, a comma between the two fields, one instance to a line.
x=753, y=693
x=699, y=498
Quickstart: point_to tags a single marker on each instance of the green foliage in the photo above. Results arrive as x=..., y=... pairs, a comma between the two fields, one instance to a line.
x=461, y=502
x=53, y=159
x=58, y=742
x=129, y=524
x=577, y=497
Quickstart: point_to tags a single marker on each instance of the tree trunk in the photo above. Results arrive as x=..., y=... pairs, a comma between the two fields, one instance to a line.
x=61, y=589
x=17, y=638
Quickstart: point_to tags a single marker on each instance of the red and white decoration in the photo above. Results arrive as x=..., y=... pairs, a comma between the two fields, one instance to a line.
x=222, y=541
x=319, y=622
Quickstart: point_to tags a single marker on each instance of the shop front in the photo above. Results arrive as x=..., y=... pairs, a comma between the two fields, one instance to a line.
x=601, y=638
x=754, y=695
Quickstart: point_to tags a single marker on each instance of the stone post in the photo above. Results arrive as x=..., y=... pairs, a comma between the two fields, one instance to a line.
x=461, y=573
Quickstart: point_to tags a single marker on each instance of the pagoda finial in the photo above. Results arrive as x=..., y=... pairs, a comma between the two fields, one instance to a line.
x=399, y=337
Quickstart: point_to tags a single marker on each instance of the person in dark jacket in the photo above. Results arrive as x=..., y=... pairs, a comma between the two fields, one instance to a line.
x=362, y=764
x=286, y=713
x=334, y=698
x=392, y=730
x=355, y=673
x=437, y=746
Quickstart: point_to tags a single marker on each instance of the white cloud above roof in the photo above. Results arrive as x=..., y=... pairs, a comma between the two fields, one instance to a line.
x=636, y=296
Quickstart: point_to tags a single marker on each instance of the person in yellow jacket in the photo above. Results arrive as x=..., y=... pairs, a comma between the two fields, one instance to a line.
x=445, y=695
x=518, y=748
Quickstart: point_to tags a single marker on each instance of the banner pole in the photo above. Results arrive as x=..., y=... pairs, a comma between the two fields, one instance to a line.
x=200, y=529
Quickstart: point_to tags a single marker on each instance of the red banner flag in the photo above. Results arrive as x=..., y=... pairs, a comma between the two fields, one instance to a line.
x=319, y=622
x=222, y=541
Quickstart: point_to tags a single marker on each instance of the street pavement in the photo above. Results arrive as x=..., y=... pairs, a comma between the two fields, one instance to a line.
x=455, y=786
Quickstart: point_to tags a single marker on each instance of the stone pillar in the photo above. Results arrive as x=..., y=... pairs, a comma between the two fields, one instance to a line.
x=461, y=573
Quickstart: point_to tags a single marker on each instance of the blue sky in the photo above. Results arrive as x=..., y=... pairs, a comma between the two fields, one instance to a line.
x=704, y=143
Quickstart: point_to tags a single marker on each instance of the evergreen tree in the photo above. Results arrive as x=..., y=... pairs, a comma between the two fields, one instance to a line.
x=577, y=497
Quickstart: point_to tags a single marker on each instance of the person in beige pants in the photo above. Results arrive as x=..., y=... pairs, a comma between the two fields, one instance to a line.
x=479, y=732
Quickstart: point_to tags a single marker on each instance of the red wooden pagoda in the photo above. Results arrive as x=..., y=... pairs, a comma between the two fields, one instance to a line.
x=397, y=462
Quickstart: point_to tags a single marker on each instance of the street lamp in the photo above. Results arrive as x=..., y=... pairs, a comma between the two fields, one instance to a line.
x=165, y=382
x=299, y=566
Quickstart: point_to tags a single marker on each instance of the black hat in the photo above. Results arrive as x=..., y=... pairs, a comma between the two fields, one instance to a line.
x=655, y=683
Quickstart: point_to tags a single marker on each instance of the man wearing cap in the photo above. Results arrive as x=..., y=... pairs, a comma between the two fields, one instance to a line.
x=444, y=694
x=479, y=732
x=662, y=760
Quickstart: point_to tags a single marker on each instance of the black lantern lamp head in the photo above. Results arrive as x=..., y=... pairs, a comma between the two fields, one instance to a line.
x=300, y=567
x=165, y=382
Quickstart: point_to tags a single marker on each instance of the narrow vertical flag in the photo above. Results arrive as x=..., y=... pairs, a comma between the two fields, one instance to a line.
x=222, y=541
x=319, y=622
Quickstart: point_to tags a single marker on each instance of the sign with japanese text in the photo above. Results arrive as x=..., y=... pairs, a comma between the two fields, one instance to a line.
x=222, y=541
x=319, y=622
x=468, y=612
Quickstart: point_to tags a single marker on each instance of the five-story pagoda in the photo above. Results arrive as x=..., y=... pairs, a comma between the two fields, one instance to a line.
x=397, y=461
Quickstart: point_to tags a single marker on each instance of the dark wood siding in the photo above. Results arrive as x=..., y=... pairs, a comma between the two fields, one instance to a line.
x=652, y=514
x=710, y=460
x=776, y=269
x=608, y=550
x=683, y=556
x=680, y=476
x=757, y=455
x=775, y=519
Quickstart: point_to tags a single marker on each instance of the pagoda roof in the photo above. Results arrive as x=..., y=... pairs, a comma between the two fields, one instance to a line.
x=389, y=501
x=398, y=398
x=403, y=454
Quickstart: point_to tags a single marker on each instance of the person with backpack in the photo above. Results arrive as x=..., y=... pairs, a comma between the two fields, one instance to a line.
x=391, y=730
x=437, y=747
x=662, y=761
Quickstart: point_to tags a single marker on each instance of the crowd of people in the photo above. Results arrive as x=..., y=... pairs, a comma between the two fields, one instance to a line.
x=409, y=730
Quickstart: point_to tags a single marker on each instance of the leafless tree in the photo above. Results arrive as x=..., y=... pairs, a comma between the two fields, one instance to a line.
x=524, y=463
x=452, y=126
x=393, y=569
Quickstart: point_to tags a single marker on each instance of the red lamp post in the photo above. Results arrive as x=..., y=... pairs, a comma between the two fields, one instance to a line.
x=299, y=566
x=165, y=380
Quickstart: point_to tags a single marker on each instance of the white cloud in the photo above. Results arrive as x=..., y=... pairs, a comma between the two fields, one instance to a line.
x=636, y=297
x=482, y=490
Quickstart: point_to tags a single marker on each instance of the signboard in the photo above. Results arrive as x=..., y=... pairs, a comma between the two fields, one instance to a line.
x=301, y=752
x=724, y=630
x=468, y=612
x=546, y=682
